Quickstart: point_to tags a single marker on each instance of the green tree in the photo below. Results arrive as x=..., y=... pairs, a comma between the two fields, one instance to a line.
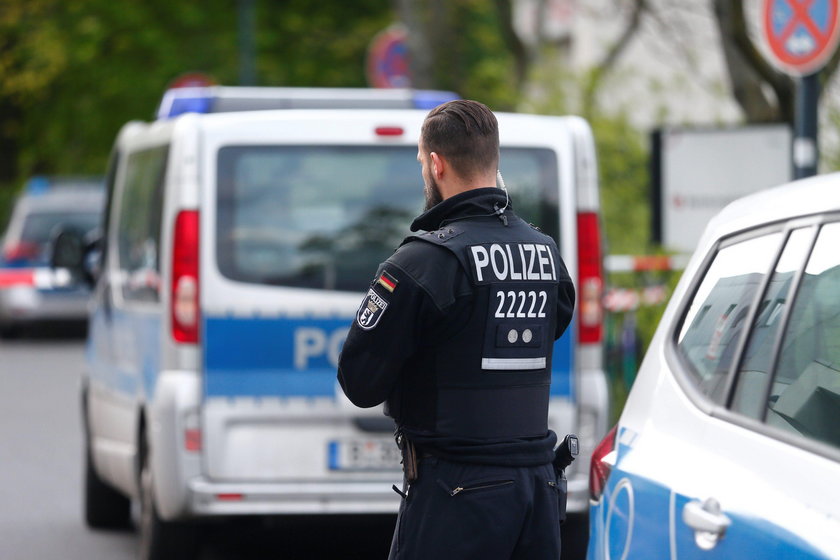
x=71, y=73
x=464, y=46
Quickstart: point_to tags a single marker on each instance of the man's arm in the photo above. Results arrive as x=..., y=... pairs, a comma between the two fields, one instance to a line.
x=565, y=299
x=565, y=305
x=384, y=334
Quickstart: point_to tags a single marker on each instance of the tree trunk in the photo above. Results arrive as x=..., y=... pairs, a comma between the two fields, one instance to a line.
x=420, y=53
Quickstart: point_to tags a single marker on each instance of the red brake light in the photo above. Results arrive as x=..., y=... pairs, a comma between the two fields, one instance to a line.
x=184, y=296
x=590, y=278
x=192, y=439
x=599, y=471
x=389, y=131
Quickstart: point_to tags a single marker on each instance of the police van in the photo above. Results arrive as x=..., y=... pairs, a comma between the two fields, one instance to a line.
x=239, y=240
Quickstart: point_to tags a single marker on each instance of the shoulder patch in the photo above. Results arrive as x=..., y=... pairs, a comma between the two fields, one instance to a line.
x=371, y=310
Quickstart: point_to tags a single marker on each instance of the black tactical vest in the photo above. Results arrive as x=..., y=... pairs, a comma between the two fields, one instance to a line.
x=492, y=379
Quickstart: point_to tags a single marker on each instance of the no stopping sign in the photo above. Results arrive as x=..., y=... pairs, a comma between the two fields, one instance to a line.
x=801, y=35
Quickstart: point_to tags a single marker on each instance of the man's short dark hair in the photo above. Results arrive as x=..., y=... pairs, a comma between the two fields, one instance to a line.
x=464, y=132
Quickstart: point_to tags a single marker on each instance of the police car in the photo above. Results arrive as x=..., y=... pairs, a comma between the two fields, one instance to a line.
x=30, y=291
x=729, y=444
x=241, y=237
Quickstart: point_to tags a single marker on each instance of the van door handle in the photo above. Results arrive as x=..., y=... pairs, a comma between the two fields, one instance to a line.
x=707, y=521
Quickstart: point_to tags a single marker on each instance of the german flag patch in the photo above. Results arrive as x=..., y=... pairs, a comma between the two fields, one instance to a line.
x=388, y=282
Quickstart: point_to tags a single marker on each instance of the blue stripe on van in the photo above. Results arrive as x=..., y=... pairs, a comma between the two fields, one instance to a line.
x=562, y=363
x=298, y=357
x=272, y=356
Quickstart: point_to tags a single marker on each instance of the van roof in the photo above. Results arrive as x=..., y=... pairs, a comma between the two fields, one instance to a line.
x=220, y=99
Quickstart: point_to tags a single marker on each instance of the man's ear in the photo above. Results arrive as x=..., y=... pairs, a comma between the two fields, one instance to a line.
x=438, y=165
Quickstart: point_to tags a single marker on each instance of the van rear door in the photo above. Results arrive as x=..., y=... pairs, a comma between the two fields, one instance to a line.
x=304, y=206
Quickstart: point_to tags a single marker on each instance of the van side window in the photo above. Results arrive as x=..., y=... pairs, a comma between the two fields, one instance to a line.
x=110, y=190
x=710, y=331
x=805, y=395
x=139, y=225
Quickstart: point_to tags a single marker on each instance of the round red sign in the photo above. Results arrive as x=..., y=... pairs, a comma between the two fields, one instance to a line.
x=387, y=63
x=801, y=34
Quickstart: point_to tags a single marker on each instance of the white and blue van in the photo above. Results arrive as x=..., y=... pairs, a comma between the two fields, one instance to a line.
x=238, y=244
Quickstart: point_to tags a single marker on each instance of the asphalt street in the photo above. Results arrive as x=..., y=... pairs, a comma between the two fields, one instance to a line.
x=41, y=476
x=41, y=457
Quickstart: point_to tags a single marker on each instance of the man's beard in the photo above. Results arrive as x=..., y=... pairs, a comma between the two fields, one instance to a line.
x=432, y=194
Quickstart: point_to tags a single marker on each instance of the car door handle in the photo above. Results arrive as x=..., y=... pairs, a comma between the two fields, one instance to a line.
x=707, y=520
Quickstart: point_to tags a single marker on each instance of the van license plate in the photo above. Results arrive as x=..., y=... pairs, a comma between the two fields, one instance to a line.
x=364, y=455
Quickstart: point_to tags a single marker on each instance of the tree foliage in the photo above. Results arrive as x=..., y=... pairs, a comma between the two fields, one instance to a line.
x=463, y=46
x=71, y=73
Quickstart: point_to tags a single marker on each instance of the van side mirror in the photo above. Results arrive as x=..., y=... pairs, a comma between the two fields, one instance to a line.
x=71, y=249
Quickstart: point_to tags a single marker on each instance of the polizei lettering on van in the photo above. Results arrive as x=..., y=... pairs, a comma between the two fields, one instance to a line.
x=512, y=261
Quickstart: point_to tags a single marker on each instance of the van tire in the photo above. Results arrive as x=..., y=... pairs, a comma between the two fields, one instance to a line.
x=105, y=507
x=159, y=539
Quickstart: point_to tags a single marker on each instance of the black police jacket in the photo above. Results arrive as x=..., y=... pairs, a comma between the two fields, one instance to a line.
x=456, y=333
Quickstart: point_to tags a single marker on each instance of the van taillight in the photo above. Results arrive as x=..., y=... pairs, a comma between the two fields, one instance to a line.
x=599, y=469
x=590, y=278
x=184, y=296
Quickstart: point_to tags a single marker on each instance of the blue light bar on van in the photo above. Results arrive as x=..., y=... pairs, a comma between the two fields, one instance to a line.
x=185, y=100
x=222, y=99
x=429, y=99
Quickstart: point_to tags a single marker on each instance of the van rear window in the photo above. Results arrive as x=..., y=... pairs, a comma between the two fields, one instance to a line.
x=324, y=217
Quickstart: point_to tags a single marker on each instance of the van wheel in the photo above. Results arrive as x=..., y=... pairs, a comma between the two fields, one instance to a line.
x=105, y=507
x=159, y=539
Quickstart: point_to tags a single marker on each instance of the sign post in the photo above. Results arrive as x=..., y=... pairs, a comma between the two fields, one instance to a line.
x=805, y=142
x=801, y=36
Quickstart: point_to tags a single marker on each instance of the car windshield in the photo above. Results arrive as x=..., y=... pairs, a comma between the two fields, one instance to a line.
x=325, y=216
x=38, y=227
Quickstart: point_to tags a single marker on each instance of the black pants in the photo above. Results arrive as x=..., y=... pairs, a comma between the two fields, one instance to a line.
x=458, y=511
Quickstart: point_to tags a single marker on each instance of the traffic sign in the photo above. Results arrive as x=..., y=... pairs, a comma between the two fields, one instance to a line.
x=801, y=34
x=192, y=79
x=387, y=63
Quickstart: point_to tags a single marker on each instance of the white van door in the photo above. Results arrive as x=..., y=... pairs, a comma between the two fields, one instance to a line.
x=305, y=205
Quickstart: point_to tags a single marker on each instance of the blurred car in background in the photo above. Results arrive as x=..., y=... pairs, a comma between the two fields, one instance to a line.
x=729, y=443
x=31, y=293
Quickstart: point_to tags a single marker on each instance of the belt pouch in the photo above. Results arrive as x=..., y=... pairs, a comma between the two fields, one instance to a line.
x=562, y=493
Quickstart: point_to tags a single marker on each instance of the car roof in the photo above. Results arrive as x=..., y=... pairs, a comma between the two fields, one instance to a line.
x=804, y=197
x=71, y=200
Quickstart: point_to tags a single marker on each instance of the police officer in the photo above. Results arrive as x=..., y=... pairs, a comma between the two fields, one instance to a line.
x=456, y=335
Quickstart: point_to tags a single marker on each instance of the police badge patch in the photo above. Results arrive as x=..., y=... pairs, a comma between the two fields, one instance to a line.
x=371, y=310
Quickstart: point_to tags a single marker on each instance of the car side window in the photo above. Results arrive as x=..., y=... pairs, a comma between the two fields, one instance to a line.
x=711, y=329
x=758, y=358
x=805, y=395
x=139, y=225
